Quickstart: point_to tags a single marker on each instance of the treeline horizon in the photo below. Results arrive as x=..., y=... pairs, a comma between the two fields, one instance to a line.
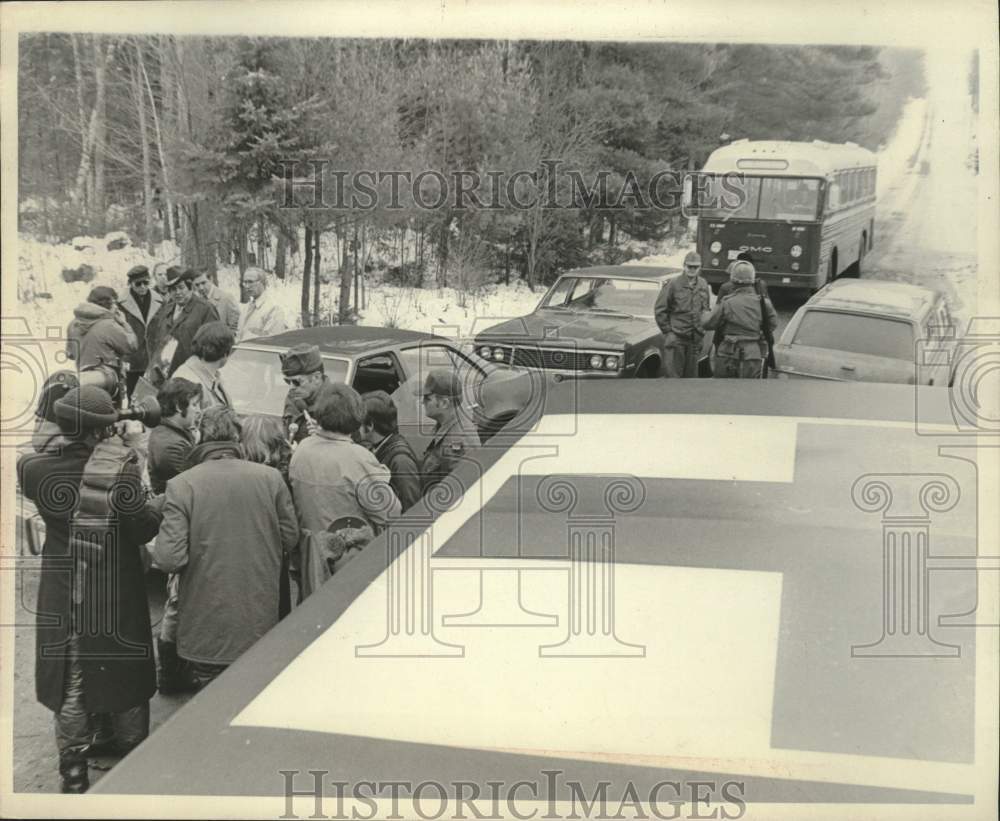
x=184, y=138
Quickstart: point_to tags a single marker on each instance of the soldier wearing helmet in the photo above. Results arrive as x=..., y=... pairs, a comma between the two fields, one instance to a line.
x=744, y=318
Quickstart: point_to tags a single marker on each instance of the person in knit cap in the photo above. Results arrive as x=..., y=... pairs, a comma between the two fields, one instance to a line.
x=94, y=657
x=99, y=333
x=302, y=368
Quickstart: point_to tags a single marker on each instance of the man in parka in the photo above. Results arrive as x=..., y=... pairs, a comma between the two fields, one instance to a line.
x=743, y=348
x=99, y=334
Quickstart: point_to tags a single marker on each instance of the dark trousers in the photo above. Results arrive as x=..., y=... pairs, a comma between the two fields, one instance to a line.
x=77, y=730
x=680, y=358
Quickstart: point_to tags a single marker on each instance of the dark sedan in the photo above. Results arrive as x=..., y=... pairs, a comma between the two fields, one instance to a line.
x=370, y=359
x=593, y=322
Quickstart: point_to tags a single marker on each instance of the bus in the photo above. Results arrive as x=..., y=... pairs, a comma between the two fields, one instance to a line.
x=803, y=213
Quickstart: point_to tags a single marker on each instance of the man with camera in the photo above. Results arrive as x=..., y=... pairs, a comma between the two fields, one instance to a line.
x=94, y=662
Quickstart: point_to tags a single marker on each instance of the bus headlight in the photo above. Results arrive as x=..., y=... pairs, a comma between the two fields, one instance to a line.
x=486, y=352
x=596, y=360
x=715, y=262
x=795, y=266
x=715, y=247
x=796, y=251
x=611, y=363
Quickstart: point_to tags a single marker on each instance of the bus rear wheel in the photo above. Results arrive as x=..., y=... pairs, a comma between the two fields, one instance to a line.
x=858, y=267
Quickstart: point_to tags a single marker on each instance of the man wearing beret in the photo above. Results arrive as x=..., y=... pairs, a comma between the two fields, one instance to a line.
x=139, y=308
x=302, y=368
x=442, y=396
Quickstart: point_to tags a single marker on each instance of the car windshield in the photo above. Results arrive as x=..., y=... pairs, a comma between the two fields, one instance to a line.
x=854, y=333
x=605, y=295
x=255, y=384
x=766, y=198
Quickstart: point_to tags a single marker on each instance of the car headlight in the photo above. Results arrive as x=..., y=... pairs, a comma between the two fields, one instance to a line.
x=486, y=352
x=611, y=363
x=499, y=354
x=796, y=251
x=715, y=247
x=596, y=360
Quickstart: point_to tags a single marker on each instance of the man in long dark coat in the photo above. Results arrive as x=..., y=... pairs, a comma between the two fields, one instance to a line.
x=94, y=655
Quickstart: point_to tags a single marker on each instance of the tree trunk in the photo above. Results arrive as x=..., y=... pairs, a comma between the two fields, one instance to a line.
x=83, y=187
x=316, y=260
x=354, y=249
x=147, y=183
x=97, y=203
x=306, y=278
x=280, y=252
x=171, y=229
x=344, y=307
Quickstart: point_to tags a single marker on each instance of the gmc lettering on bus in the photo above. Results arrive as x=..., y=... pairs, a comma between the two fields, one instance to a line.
x=760, y=249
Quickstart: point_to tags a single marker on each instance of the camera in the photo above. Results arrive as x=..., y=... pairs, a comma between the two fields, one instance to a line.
x=145, y=410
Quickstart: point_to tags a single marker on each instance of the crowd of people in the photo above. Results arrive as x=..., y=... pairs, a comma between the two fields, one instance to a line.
x=245, y=516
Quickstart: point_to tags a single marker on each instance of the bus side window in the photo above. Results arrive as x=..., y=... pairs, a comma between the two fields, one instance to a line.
x=852, y=188
x=833, y=194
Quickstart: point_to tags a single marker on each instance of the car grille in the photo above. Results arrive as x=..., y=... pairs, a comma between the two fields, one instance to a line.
x=549, y=359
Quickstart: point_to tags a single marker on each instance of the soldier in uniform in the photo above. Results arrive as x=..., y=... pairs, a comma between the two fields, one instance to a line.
x=743, y=348
x=678, y=311
x=442, y=395
x=302, y=368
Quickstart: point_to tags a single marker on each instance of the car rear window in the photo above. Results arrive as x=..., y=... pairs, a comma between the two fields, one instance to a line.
x=255, y=384
x=854, y=333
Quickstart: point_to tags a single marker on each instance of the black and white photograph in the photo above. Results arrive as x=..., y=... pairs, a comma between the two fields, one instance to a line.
x=470, y=410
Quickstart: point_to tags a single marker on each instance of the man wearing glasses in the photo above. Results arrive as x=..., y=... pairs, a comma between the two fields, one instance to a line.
x=678, y=311
x=302, y=368
x=442, y=398
x=263, y=317
x=139, y=307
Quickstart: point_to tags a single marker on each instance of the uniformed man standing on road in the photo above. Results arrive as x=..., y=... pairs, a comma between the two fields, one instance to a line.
x=739, y=316
x=679, y=309
x=302, y=368
x=442, y=395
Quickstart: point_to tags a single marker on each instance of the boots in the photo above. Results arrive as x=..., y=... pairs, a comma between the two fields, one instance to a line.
x=73, y=772
x=171, y=672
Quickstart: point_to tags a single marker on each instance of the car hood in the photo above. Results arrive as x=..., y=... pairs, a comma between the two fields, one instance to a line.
x=567, y=329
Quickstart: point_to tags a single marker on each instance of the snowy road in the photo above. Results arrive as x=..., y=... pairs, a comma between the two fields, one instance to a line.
x=926, y=227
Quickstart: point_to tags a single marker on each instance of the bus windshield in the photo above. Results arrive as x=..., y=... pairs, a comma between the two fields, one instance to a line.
x=768, y=198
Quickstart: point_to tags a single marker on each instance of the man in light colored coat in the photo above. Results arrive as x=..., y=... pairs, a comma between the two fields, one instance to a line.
x=263, y=316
